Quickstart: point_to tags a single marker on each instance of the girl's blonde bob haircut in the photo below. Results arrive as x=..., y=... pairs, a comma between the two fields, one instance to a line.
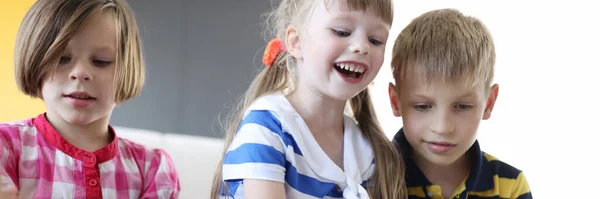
x=49, y=25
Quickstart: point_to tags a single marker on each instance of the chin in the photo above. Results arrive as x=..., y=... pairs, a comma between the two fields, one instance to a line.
x=445, y=159
x=442, y=161
x=78, y=118
x=342, y=96
x=346, y=93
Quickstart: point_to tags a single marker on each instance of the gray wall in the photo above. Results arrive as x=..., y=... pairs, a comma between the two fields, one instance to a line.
x=200, y=57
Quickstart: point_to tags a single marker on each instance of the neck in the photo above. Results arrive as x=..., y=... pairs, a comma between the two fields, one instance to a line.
x=449, y=176
x=321, y=113
x=89, y=137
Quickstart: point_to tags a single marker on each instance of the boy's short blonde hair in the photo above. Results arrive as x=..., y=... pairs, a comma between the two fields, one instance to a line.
x=49, y=25
x=447, y=46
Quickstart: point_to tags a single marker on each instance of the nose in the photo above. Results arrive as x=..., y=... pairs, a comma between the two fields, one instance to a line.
x=442, y=123
x=81, y=72
x=360, y=46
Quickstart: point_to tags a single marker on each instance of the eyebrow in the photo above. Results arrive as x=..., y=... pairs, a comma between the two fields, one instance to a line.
x=343, y=17
x=104, y=48
x=348, y=18
x=419, y=96
x=382, y=28
x=423, y=97
x=468, y=95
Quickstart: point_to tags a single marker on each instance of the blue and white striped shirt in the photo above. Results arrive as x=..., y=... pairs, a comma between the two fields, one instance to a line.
x=274, y=143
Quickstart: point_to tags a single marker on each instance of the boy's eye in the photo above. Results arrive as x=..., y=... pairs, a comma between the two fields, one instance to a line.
x=101, y=62
x=422, y=107
x=340, y=33
x=463, y=106
x=64, y=60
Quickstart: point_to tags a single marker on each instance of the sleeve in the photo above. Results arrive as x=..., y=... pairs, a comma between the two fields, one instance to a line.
x=257, y=150
x=522, y=190
x=162, y=179
x=8, y=161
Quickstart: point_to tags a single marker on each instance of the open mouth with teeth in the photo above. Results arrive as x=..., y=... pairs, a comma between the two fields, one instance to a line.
x=350, y=70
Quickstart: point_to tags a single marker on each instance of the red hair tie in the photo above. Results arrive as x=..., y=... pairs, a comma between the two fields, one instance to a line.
x=273, y=49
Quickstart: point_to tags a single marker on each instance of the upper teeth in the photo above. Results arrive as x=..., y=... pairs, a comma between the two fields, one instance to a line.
x=351, y=67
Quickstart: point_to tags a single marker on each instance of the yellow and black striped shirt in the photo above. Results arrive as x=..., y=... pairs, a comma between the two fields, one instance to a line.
x=489, y=178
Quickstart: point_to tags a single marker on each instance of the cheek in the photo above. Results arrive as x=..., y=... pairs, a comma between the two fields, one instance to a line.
x=45, y=93
x=470, y=117
x=331, y=44
x=310, y=43
x=413, y=132
x=468, y=125
x=107, y=89
x=378, y=56
x=413, y=121
x=49, y=88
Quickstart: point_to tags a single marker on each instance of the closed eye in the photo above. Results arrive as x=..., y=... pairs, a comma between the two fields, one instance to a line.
x=423, y=107
x=64, y=60
x=101, y=63
x=463, y=106
x=341, y=33
x=375, y=42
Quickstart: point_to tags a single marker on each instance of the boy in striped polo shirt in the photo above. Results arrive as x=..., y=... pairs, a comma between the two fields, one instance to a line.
x=443, y=65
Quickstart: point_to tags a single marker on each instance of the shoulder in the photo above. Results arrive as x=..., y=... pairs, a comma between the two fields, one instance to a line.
x=141, y=150
x=270, y=101
x=268, y=120
x=146, y=157
x=17, y=142
x=16, y=130
x=160, y=176
x=274, y=107
x=508, y=177
x=262, y=118
x=261, y=130
x=502, y=169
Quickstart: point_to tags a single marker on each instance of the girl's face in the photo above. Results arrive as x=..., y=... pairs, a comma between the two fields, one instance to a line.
x=341, y=50
x=81, y=90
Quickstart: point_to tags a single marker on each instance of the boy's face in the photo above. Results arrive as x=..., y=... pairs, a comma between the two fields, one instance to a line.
x=440, y=119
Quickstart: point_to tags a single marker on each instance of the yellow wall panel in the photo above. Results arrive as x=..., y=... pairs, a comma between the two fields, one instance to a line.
x=13, y=104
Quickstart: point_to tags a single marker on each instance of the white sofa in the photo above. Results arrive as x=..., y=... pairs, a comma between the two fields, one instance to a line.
x=195, y=157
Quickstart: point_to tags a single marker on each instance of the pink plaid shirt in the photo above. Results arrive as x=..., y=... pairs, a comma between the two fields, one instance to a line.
x=42, y=164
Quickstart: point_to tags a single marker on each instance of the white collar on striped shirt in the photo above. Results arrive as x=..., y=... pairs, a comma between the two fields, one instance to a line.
x=358, y=154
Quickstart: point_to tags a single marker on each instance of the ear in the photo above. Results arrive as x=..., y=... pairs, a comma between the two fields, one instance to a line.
x=292, y=42
x=491, y=100
x=394, y=100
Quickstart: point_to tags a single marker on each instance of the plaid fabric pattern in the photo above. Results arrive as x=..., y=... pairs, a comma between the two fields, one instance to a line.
x=42, y=164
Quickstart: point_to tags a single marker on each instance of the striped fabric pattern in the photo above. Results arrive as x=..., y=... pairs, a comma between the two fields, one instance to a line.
x=42, y=164
x=265, y=148
x=489, y=178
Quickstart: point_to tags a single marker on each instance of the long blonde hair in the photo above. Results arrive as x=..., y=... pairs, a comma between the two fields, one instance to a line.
x=388, y=179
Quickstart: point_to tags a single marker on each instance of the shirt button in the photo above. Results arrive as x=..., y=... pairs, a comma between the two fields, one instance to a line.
x=87, y=156
x=93, y=182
